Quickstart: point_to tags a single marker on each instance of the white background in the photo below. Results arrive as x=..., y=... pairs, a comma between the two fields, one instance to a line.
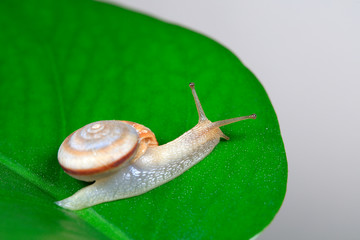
x=307, y=55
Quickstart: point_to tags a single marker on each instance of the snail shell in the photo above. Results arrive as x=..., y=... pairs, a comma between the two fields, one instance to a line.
x=99, y=149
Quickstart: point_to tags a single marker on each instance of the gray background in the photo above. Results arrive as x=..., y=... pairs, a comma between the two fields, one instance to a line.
x=307, y=55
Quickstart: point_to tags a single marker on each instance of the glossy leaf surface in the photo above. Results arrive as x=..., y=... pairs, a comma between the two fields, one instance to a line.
x=64, y=64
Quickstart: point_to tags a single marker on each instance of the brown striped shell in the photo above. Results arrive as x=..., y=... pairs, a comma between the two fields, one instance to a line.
x=99, y=149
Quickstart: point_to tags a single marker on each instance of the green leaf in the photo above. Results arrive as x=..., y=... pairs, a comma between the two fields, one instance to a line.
x=64, y=64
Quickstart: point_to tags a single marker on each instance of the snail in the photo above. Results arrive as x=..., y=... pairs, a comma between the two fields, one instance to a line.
x=125, y=160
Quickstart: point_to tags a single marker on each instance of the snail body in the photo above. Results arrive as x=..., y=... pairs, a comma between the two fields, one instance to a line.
x=140, y=165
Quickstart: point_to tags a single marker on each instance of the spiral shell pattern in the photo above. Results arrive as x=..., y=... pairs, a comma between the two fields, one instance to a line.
x=98, y=149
